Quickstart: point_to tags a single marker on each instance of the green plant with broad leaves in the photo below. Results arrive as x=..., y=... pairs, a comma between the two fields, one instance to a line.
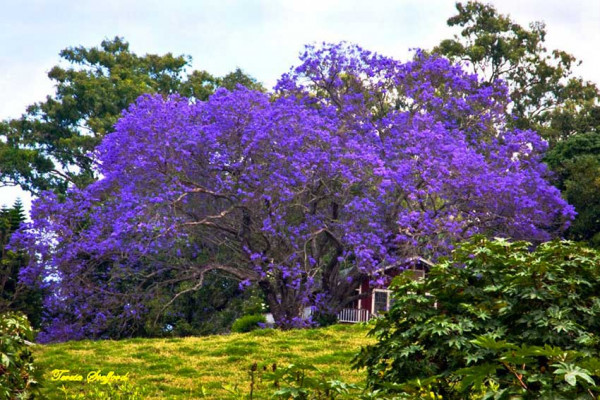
x=307, y=382
x=304, y=381
x=19, y=377
x=496, y=320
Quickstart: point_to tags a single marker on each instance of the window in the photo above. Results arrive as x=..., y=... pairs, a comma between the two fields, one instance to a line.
x=381, y=300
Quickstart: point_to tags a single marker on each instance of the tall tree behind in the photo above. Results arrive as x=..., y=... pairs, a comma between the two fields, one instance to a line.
x=546, y=96
x=13, y=295
x=48, y=147
x=576, y=163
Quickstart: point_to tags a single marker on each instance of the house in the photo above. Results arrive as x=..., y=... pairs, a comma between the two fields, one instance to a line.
x=378, y=301
x=380, y=298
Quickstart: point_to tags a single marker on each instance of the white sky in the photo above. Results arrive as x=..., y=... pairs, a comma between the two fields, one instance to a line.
x=263, y=37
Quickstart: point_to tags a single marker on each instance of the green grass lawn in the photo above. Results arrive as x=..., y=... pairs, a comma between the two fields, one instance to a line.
x=182, y=368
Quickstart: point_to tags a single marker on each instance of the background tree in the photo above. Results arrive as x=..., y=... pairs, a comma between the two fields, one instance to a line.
x=576, y=162
x=238, y=77
x=546, y=96
x=15, y=296
x=207, y=310
x=49, y=146
x=357, y=163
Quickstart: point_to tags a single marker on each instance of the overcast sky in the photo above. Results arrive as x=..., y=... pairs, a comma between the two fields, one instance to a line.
x=263, y=37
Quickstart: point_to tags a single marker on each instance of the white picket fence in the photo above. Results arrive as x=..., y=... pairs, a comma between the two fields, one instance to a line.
x=347, y=315
x=353, y=315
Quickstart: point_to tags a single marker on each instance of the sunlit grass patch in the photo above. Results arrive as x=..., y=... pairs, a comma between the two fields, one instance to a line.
x=184, y=368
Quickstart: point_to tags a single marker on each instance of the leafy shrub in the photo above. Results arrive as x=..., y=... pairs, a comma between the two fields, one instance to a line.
x=248, y=323
x=297, y=381
x=19, y=377
x=305, y=381
x=495, y=320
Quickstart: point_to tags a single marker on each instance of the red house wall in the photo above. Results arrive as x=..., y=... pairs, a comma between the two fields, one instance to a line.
x=366, y=302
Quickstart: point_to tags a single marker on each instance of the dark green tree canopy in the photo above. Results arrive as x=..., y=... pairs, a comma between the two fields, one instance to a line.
x=238, y=77
x=576, y=162
x=49, y=146
x=13, y=295
x=546, y=96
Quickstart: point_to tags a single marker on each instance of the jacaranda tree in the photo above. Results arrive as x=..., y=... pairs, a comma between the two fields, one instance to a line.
x=354, y=163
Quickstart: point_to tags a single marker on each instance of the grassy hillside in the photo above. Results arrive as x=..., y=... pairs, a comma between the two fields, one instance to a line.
x=182, y=368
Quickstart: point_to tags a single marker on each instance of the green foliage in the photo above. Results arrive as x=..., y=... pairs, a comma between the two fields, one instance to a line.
x=522, y=371
x=248, y=323
x=207, y=310
x=19, y=377
x=110, y=391
x=238, y=77
x=576, y=162
x=53, y=137
x=495, y=317
x=254, y=302
x=546, y=95
x=304, y=381
x=13, y=295
x=307, y=382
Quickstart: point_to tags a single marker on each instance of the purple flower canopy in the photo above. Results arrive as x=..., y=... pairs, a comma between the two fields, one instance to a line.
x=355, y=162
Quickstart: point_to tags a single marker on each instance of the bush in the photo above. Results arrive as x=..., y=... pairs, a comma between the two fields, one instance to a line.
x=305, y=381
x=495, y=320
x=19, y=377
x=248, y=323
